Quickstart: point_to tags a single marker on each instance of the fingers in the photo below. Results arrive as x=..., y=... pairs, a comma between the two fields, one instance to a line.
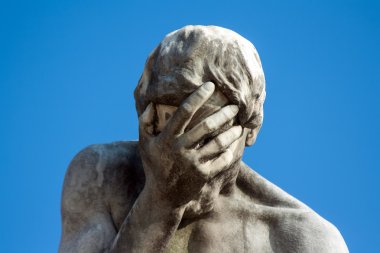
x=146, y=121
x=212, y=168
x=209, y=125
x=187, y=109
x=221, y=142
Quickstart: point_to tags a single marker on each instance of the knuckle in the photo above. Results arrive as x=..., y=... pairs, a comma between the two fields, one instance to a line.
x=195, y=159
x=203, y=172
x=219, y=142
x=209, y=125
x=186, y=108
x=228, y=157
x=236, y=132
x=200, y=94
x=228, y=114
x=203, y=93
x=178, y=148
x=223, y=160
x=230, y=111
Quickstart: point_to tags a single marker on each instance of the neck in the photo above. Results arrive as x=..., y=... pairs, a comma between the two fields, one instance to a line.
x=224, y=184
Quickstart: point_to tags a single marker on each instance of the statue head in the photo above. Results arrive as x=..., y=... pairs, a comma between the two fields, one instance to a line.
x=193, y=55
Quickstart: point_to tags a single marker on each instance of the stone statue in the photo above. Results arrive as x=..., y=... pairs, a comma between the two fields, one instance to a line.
x=182, y=187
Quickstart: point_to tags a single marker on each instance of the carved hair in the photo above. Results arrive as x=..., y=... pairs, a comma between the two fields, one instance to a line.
x=192, y=55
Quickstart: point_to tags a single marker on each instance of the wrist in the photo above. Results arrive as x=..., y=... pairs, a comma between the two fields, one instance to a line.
x=154, y=200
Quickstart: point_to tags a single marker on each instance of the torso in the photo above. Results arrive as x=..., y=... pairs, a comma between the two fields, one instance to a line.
x=231, y=227
x=247, y=220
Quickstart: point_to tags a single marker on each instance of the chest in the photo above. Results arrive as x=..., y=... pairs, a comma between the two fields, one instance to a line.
x=227, y=231
x=222, y=234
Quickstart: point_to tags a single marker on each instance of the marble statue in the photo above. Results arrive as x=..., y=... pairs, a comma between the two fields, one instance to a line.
x=183, y=187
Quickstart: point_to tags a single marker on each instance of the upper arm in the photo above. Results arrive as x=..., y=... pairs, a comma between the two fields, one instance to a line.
x=94, y=234
x=86, y=223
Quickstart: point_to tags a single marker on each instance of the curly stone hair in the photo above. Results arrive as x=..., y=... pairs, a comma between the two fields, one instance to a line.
x=193, y=55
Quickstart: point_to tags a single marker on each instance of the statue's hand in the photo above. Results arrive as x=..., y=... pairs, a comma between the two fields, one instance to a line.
x=176, y=169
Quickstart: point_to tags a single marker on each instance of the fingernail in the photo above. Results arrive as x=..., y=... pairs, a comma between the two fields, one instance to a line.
x=209, y=86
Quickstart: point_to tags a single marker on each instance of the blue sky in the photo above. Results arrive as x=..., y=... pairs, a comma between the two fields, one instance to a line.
x=68, y=70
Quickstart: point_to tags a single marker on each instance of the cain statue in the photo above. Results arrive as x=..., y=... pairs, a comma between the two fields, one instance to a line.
x=183, y=187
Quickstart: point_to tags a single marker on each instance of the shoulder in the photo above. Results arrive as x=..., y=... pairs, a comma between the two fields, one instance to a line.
x=91, y=180
x=293, y=225
x=323, y=236
x=303, y=230
x=93, y=169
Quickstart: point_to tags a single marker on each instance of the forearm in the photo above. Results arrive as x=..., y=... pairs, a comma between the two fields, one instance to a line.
x=148, y=227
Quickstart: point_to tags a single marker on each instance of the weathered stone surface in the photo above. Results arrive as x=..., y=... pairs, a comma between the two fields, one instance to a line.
x=183, y=186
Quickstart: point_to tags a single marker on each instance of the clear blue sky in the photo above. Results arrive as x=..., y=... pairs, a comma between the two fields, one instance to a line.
x=68, y=70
